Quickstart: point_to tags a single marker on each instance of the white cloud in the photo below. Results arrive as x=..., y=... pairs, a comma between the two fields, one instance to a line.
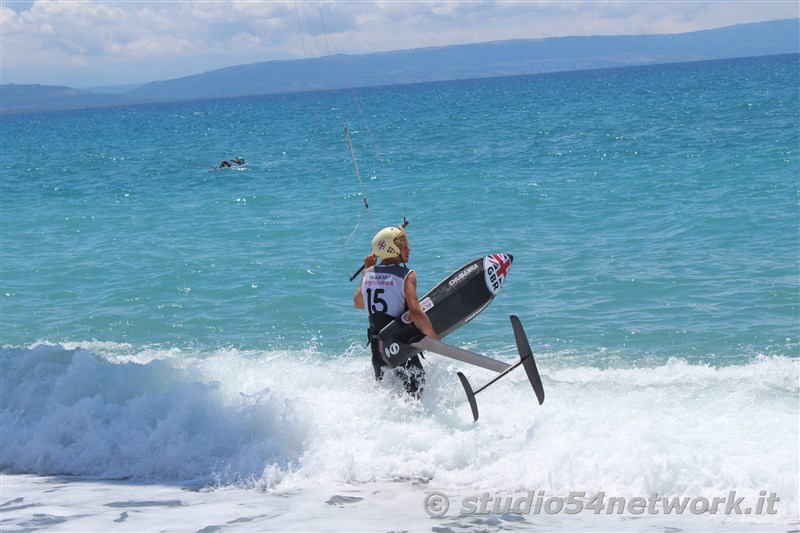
x=83, y=43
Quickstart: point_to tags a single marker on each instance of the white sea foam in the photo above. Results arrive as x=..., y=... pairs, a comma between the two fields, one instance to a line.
x=303, y=421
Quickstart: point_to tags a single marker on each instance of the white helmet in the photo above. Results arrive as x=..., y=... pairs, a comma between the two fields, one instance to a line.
x=383, y=244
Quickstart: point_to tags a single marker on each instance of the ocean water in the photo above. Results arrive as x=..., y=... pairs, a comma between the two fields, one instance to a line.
x=180, y=351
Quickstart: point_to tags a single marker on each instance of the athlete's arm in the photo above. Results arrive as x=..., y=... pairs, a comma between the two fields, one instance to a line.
x=358, y=297
x=418, y=316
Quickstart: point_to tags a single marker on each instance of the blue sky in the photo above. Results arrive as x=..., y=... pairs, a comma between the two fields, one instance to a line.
x=97, y=42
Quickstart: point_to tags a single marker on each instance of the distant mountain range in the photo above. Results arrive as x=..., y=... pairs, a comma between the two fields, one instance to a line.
x=484, y=60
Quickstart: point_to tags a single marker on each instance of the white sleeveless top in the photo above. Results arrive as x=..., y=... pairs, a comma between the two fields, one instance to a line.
x=382, y=289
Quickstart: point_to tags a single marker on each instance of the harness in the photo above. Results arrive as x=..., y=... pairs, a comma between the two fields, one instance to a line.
x=377, y=321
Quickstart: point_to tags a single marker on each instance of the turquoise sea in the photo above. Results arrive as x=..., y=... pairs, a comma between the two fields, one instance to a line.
x=180, y=350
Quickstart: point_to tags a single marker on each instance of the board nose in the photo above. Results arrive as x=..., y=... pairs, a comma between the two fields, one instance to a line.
x=510, y=257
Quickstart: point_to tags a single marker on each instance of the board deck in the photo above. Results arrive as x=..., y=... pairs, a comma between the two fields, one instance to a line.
x=456, y=300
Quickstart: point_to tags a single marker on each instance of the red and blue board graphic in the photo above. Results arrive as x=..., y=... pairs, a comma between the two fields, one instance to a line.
x=495, y=268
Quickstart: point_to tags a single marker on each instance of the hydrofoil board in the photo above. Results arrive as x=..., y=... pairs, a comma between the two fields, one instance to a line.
x=459, y=298
x=456, y=300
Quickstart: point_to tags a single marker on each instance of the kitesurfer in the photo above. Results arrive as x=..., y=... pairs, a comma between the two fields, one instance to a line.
x=238, y=161
x=387, y=290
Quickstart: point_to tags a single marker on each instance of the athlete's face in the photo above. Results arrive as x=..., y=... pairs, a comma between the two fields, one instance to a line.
x=405, y=247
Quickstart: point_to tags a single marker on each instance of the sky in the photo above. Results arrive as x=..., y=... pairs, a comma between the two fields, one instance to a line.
x=96, y=43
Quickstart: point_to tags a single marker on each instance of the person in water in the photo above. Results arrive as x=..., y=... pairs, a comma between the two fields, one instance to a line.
x=238, y=161
x=386, y=291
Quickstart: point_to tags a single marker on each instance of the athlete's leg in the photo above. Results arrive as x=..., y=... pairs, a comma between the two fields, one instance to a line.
x=413, y=376
x=377, y=360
